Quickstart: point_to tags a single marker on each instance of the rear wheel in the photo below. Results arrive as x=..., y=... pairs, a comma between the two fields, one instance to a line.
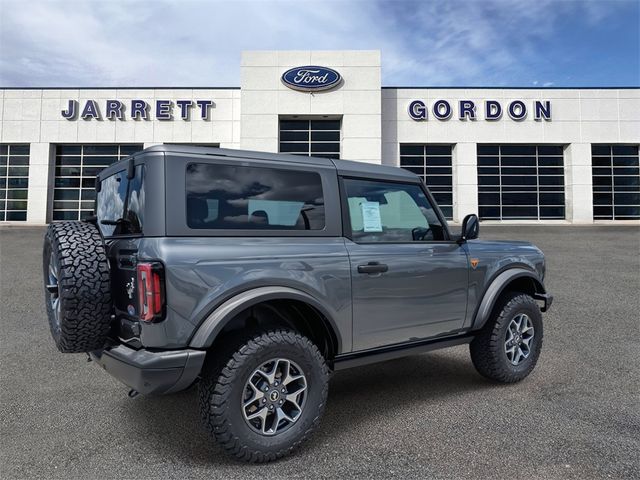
x=507, y=348
x=261, y=401
x=77, y=286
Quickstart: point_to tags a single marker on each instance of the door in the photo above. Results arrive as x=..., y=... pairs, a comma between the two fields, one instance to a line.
x=409, y=282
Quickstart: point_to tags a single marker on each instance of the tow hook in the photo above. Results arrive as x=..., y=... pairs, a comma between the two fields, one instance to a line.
x=546, y=298
x=133, y=393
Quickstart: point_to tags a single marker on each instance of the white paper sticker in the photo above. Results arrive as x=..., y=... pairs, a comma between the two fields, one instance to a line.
x=371, y=221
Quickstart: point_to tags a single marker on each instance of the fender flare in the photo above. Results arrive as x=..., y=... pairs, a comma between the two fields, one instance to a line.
x=218, y=318
x=495, y=289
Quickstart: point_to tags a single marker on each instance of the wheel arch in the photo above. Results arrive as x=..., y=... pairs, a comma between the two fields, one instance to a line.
x=215, y=323
x=512, y=279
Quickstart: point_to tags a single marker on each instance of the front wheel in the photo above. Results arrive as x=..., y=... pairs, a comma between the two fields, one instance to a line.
x=507, y=348
x=263, y=400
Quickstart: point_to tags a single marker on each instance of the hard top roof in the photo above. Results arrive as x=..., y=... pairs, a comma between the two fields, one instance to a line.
x=344, y=167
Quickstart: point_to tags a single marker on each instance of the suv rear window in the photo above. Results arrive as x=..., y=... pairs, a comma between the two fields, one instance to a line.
x=121, y=201
x=253, y=198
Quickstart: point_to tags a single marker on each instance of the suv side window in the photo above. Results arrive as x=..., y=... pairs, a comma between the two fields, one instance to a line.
x=391, y=212
x=253, y=198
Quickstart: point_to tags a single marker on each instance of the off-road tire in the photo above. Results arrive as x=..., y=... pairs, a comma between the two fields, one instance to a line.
x=221, y=391
x=78, y=253
x=488, y=347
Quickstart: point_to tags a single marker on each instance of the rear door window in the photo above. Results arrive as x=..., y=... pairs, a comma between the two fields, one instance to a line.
x=120, y=204
x=232, y=197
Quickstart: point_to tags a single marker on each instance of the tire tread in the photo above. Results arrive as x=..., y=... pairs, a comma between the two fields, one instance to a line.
x=486, y=348
x=219, y=376
x=85, y=286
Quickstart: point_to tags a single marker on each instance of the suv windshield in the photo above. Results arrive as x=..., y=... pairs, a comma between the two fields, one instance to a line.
x=120, y=204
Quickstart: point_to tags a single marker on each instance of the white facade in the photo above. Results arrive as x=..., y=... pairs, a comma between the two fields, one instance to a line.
x=374, y=122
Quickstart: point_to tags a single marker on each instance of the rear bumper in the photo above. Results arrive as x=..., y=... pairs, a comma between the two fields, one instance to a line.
x=151, y=372
x=547, y=300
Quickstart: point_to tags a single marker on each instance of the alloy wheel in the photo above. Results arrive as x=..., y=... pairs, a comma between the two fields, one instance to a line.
x=274, y=396
x=518, y=338
x=53, y=290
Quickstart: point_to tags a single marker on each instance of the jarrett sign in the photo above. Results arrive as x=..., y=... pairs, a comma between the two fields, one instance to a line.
x=488, y=110
x=137, y=109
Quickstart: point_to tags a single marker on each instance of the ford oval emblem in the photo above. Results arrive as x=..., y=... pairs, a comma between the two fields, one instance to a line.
x=311, y=78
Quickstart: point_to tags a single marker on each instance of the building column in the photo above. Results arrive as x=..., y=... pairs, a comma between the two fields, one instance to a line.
x=578, y=183
x=465, y=180
x=150, y=144
x=40, y=157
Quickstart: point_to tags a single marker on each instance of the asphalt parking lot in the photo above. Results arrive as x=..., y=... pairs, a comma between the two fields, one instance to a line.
x=426, y=416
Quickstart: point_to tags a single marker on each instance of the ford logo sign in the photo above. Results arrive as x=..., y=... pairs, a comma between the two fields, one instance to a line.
x=311, y=78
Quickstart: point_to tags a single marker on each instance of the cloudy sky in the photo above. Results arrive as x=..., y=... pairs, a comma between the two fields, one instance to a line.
x=426, y=43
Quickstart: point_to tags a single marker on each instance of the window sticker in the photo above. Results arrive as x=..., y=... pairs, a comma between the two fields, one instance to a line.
x=371, y=216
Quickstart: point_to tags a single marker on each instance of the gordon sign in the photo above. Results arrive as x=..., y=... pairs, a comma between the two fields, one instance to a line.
x=136, y=109
x=311, y=78
x=491, y=110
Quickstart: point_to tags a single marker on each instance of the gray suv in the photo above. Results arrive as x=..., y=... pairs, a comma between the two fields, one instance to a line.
x=256, y=275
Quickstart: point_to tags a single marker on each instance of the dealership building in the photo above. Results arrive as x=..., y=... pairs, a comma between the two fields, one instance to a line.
x=565, y=155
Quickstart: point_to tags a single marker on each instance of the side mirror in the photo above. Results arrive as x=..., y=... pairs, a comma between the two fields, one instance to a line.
x=470, y=228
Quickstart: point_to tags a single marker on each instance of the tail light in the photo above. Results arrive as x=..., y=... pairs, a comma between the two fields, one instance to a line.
x=150, y=291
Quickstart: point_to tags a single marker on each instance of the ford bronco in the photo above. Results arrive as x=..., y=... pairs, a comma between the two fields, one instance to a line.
x=257, y=275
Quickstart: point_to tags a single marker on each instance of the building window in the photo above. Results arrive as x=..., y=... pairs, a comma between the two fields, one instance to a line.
x=521, y=182
x=616, y=182
x=14, y=182
x=433, y=164
x=320, y=138
x=76, y=169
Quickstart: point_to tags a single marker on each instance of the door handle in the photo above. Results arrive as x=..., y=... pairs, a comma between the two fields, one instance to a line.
x=373, y=267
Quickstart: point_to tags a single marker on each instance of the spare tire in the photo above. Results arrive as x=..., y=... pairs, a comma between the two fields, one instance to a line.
x=77, y=286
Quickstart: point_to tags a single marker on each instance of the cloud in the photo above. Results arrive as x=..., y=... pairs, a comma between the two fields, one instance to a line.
x=198, y=43
x=478, y=42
